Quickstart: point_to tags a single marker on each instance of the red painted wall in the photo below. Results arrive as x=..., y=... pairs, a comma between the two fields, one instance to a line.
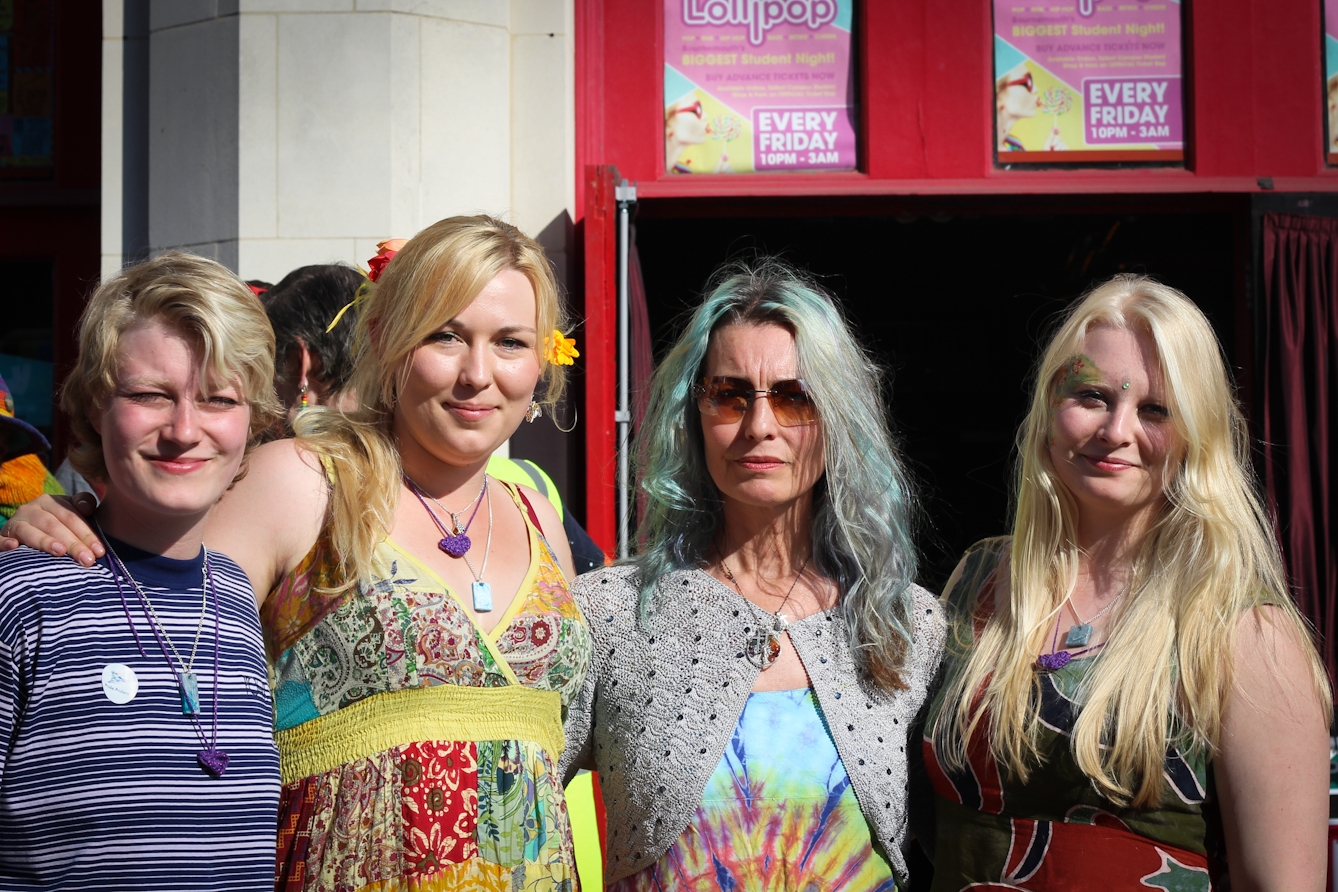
x=1254, y=108
x=1253, y=77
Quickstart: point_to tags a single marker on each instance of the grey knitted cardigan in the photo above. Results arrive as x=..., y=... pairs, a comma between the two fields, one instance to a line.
x=660, y=703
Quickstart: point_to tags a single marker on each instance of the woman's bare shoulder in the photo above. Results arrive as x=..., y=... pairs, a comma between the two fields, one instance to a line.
x=271, y=517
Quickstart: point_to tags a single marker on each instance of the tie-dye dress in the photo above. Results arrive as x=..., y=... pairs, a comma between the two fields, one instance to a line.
x=417, y=751
x=778, y=813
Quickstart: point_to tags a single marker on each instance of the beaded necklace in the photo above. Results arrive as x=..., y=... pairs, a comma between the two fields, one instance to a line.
x=479, y=590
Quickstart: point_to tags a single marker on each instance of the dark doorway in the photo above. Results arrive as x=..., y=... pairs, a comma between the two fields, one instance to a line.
x=956, y=307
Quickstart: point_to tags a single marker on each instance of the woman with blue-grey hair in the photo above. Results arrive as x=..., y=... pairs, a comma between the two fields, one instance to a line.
x=759, y=665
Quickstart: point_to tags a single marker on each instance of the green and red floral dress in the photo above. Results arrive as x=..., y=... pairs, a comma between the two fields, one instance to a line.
x=1055, y=831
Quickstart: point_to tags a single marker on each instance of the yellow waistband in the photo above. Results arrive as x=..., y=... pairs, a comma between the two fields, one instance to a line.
x=439, y=712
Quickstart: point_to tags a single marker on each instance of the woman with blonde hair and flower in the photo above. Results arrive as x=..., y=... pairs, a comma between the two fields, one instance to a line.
x=1131, y=698
x=423, y=644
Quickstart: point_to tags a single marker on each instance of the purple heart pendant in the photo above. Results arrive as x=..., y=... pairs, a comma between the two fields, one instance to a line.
x=1054, y=661
x=456, y=545
x=213, y=761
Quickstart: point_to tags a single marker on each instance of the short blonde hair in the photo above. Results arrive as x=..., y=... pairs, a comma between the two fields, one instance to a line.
x=197, y=297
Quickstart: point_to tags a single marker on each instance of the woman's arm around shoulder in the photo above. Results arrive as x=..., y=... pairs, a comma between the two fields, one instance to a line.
x=1272, y=771
x=57, y=525
x=270, y=519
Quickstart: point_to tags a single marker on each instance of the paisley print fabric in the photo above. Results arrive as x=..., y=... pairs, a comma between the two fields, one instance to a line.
x=1056, y=831
x=433, y=814
x=778, y=813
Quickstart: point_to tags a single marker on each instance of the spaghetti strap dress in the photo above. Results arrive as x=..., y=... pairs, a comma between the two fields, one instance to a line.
x=417, y=751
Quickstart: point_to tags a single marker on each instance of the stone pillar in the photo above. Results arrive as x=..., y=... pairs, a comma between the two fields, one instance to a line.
x=270, y=134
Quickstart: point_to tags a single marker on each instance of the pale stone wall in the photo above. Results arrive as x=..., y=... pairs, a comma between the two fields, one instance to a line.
x=286, y=132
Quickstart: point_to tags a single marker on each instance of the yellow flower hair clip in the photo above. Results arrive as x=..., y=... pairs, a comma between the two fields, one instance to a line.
x=560, y=350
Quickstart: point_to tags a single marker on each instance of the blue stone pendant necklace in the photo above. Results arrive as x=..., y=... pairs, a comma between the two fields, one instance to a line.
x=480, y=591
x=1081, y=633
x=1078, y=635
x=211, y=758
x=458, y=544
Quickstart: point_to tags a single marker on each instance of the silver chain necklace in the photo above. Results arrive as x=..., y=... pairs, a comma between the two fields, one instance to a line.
x=1081, y=633
x=480, y=592
x=763, y=648
x=190, y=697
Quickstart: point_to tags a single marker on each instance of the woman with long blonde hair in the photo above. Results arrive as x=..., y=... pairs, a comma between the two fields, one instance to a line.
x=1131, y=698
x=423, y=645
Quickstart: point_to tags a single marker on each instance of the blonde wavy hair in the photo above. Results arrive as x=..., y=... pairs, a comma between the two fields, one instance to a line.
x=429, y=281
x=205, y=303
x=1166, y=672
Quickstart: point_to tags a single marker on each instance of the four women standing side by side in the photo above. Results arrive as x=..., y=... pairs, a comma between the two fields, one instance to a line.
x=757, y=674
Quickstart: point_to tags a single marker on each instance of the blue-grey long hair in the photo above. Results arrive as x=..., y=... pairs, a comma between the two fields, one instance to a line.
x=862, y=505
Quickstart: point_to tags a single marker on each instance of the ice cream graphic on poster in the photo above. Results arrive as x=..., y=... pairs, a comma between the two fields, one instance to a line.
x=757, y=85
x=1088, y=76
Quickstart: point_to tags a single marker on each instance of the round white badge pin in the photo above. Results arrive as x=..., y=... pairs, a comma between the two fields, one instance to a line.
x=119, y=683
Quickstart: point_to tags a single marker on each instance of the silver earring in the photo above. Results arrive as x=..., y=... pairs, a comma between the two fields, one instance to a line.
x=534, y=411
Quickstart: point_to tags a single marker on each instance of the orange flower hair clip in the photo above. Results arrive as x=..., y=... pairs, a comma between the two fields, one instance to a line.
x=560, y=350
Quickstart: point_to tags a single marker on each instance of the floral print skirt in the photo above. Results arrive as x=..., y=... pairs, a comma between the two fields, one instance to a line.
x=429, y=816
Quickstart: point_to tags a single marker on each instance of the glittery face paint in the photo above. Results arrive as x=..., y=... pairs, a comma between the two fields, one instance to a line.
x=1077, y=372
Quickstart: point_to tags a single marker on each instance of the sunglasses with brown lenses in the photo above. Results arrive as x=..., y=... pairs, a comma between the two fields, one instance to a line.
x=729, y=399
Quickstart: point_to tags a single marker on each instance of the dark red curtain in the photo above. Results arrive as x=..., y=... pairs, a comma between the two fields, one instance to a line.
x=1300, y=385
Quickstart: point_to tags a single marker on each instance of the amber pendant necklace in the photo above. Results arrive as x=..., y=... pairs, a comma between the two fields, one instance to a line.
x=763, y=648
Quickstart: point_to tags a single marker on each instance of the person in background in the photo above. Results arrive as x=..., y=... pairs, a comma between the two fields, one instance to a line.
x=758, y=667
x=1132, y=699
x=314, y=343
x=584, y=552
x=23, y=474
x=136, y=747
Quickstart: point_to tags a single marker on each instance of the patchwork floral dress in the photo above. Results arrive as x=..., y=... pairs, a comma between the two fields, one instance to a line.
x=417, y=751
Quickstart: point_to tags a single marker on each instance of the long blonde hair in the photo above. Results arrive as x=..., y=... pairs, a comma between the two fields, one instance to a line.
x=431, y=279
x=1165, y=674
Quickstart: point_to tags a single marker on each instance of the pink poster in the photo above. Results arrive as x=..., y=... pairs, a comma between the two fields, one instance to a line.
x=1088, y=80
x=1331, y=79
x=758, y=85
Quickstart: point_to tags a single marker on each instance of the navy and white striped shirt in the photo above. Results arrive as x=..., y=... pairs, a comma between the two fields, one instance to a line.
x=100, y=796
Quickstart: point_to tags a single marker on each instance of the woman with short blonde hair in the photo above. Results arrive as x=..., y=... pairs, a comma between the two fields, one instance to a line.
x=1120, y=661
x=136, y=747
x=190, y=294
